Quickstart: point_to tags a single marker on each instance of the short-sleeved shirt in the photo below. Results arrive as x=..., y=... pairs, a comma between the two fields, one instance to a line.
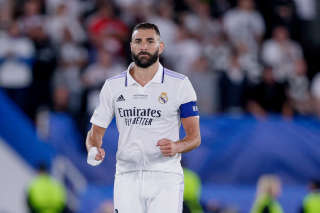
x=144, y=115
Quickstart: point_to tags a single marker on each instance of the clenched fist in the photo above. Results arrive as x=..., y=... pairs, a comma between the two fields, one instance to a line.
x=95, y=156
x=167, y=147
x=101, y=154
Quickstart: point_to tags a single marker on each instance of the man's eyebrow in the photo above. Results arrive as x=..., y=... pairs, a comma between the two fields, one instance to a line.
x=148, y=39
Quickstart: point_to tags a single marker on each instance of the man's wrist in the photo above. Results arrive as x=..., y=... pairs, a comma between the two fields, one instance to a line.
x=178, y=146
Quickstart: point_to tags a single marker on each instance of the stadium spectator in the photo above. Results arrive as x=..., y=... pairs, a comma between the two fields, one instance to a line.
x=233, y=86
x=106, y=30
x=218, y=51
x=281, y=52
x=72, y=58
x=269, y=96
x=298, y=89
x=205, y=83
x=31, y=17
x=16, y=60
x=244, y=25
x=43, y=69
x=186, y=51
x=245, y=29
x=94, y=76
x=200, y=23
x=74, y=7
x=59, y=21
x=164, y=18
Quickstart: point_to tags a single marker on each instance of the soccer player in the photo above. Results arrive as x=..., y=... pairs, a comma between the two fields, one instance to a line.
x=149, y=103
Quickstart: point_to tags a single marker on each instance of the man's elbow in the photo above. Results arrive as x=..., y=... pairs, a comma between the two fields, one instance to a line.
x=198, y=141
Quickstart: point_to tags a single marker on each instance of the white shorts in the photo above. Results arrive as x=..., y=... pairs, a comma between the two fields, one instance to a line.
x=148, y=192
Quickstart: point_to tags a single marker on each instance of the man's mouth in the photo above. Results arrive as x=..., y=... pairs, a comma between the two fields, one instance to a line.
x=144, y=54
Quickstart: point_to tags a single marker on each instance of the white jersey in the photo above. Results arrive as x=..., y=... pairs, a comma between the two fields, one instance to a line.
x=144, y=115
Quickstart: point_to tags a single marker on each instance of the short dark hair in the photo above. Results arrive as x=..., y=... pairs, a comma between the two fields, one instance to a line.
x=147, y=25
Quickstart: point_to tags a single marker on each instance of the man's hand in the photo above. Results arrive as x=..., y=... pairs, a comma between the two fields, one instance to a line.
x=192, y=140
x=167, y=147
x=95, y=156
x=101, y=154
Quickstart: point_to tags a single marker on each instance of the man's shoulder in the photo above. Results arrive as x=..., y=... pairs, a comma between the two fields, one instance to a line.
x=174, y=75
x=117, y=78
x=116, y=82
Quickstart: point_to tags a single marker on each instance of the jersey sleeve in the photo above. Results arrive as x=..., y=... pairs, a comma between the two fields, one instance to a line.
x=104, y=113
x=187, y=100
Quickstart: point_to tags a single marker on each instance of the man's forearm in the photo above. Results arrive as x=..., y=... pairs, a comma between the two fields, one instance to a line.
x=192, y=139
x=94, y=137
x=96, y=153
x=188, y=143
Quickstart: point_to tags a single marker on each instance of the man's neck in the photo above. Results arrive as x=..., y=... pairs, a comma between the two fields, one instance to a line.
x=144, y=75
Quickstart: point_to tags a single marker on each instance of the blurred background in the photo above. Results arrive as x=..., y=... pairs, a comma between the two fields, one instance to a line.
x=254, y=65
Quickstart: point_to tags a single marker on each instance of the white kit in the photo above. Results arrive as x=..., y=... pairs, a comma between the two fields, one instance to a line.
x=144, y=115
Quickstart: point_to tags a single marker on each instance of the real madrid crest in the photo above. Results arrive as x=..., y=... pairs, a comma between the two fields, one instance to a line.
x=163, y=98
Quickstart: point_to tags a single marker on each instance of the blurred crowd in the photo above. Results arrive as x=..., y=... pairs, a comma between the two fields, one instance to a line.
x=243, y=56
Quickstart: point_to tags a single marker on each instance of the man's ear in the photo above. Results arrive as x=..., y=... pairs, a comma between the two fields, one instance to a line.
x=161, y=47
x=130, y=46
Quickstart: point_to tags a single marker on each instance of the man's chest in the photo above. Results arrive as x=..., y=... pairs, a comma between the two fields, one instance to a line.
x=144, y=106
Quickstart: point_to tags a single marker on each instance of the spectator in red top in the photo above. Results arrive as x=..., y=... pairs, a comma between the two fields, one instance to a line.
x=106, y=30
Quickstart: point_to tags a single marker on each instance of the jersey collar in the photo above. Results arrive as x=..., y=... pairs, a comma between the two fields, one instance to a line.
x=157, y=78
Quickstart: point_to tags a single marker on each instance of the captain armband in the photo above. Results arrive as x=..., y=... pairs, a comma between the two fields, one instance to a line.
x=189, y=109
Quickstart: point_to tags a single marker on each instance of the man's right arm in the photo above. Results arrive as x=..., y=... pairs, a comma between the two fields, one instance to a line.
x=94, y=139
x=100, y=120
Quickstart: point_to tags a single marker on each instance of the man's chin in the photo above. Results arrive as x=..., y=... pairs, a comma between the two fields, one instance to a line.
x=144, y=59
x=143, y=65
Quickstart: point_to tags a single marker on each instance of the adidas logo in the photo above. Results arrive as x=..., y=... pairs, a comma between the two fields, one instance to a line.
x=120, y=98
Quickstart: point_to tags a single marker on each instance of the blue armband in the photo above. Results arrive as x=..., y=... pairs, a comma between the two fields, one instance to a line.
x=189, y=109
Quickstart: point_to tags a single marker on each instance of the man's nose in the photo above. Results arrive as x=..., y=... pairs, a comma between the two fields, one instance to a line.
x=144, y=46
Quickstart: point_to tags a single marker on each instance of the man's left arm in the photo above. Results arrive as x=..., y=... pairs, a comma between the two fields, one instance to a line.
x=191, y=141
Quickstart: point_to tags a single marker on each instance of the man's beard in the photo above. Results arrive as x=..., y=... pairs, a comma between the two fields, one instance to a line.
x=145, y=62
